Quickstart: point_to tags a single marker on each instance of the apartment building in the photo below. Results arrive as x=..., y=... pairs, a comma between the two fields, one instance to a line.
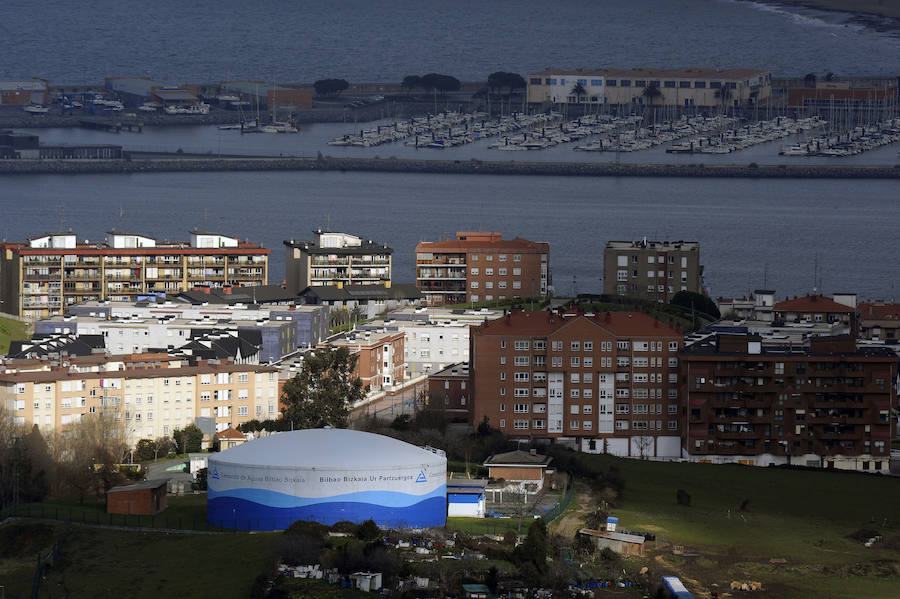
x=46, y=274
x=148, y=395
x=336, y=259
x=653, y=270
x=482, y=266
x=601, y=383
x=381, y=364
x=879, y=320
x=449, y=393
x=688, y=87
x=824, y=403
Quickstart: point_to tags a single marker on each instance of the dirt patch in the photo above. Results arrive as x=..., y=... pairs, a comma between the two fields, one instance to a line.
x=569, y=523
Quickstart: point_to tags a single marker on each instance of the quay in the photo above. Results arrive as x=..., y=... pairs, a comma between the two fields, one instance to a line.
x=136, y=162
x=111, y=126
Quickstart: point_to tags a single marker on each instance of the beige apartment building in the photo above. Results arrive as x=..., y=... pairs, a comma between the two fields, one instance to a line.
x=45, y=274
x=654, y=270
x=685, y=87
x=151, y=395
x=336, y=259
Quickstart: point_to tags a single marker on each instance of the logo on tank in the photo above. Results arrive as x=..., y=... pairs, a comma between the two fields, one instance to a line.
x=421, y=478
x=215, y=472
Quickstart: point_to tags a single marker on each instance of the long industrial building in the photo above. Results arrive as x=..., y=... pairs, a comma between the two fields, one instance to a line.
x=686, y=87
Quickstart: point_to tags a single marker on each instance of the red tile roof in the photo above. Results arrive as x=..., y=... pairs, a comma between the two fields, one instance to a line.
x=812, y=303
x=230, y=434
x=879, y=311
x=483, y=240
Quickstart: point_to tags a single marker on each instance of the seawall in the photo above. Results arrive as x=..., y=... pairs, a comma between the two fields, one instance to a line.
x=158, y=163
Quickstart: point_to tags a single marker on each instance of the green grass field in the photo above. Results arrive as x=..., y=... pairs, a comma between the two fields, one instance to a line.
x=801, y=517
x=11, y=330
x=111, y=563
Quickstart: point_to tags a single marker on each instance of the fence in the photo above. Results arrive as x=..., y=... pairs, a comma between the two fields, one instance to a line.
x=553, y=513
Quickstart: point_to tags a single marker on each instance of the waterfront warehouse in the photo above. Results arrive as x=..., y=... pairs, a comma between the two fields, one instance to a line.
x=327, y=475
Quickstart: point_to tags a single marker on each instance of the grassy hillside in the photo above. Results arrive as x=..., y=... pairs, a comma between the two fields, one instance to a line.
x=11, y=330
x=115, y=563
x=793, y=534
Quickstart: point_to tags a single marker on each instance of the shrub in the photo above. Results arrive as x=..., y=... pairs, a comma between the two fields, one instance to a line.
x=608, y=555
x=683, y=497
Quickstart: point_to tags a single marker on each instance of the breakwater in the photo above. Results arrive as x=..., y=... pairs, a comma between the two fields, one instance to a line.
x=139, y=163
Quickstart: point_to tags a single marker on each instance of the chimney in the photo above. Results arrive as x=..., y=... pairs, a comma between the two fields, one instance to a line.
x=533, y=452
x=227, y=289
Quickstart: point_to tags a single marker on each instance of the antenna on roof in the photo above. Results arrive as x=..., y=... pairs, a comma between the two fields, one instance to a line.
x=121, y=214
x=816, y=274
x=765, y=275
x=62, y=220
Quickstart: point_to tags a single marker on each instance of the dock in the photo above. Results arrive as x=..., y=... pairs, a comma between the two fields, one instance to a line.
x=110, y=125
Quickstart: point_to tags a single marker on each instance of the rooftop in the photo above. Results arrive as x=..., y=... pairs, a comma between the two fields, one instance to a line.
x=620, y=324
x=518, y=458
x=681, y=73
x=812, y=303
x=147, y=484
x=644, y=244
x=331, y=293
x=879, y=311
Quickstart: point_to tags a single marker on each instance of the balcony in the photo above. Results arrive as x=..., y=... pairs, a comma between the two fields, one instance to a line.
x=56, y=276
x=345, y=261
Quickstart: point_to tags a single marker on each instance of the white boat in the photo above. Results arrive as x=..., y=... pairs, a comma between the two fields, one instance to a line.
x=36, y=109
x=148, y=107
x=201, y=108
x=278, y=127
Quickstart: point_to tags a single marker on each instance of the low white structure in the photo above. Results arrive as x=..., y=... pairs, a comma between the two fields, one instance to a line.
x=466, y=498
x=366, y=581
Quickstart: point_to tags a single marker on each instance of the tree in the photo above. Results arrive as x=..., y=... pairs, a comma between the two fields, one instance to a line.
x=440, y=83
x=146, y=450
x=809, y=80
x=330, y=87
x=532, y=553
x=651, y=93
x=164, y=446
x=579, y=92
x=696, y=302
x=500, y=80
x=683, y=497
x=322, y=393
x=188, y=439
x=411, y=82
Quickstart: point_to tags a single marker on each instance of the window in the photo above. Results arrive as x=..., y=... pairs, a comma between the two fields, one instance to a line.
x=668, y=84
x=521, y=392
x=521, y=360
x=622, y=408
x=520, y=408
x=521, y=376
x=556, y=362
x=474, y=285
x=474, y=271
x=501, y=257
x=502, y=360
x=673, y=362
x=522, y=345
x=538, y=424
x=489, y=271
x=621, y=345
x=574, y=377
x=501, y=272
x=242, y=410
x=520, y=424
x=556, y=345
x=621, y=425
x=575, y=361
x=589, y=362
x=575, y=393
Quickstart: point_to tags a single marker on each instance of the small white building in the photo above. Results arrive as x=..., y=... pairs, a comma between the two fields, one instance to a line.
x=366, y=581
x=466, y=497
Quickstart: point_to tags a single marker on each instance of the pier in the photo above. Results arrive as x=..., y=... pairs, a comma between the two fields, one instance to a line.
x=136, y=162
x=112, y=126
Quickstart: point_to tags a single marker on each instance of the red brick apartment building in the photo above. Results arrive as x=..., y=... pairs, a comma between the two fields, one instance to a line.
x=449, y=392
x=605, y=382
x=827, y=403
x=840, y=309
x=481, y=266
x=381, y=364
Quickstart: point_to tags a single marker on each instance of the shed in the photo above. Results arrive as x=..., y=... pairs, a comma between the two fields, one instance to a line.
x=366, y=581
x=465, y=497
x=147, y=497
x=621, y=543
